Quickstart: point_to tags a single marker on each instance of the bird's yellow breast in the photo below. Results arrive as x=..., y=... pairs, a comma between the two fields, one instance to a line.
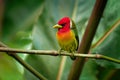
x=67, y=41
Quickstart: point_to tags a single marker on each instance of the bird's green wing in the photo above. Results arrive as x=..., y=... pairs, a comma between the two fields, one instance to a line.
x=73, y=27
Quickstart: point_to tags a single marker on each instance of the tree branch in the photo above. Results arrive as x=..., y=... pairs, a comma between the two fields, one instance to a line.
x=16, y=57
x=2, y=3
x=56, y=53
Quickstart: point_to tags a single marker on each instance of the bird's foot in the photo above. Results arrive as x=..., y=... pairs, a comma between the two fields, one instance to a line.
x=72, y=56
x=59, y=51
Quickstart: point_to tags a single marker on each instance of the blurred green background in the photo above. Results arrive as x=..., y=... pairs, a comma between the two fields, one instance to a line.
x=27, y=24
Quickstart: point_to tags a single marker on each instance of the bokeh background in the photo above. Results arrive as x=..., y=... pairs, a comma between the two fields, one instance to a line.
x=27, y=24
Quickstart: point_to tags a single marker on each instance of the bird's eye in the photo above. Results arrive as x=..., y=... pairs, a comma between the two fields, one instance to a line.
x=63, y=24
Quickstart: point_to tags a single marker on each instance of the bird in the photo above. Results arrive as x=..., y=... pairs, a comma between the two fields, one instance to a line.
x=67, y=35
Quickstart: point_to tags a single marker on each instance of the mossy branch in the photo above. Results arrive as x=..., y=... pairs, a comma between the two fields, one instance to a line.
x=56, y=53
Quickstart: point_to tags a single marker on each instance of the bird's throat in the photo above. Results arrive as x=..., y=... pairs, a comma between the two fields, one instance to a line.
x=64, y=36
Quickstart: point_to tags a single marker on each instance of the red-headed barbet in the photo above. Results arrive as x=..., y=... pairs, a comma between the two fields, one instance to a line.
x=67, y=35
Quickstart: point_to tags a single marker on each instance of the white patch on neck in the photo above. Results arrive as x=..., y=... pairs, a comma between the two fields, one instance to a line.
x=70, y=24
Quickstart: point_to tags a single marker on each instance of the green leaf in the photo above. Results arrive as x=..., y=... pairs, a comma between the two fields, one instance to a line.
x=47, y=65
x=20, y=15
x=110, y=46
x=110, y=16
x=90, y=70
x=16, y=32
x=22, y=40
x=9, y=69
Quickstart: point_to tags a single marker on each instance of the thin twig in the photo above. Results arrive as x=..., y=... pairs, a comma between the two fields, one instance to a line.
x=75, y=10
x=107, y=34
x=56, y=53
x=16, y=57
x=61, y=68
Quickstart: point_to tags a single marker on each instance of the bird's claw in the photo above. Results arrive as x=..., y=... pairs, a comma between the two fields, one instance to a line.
x=72, y=56
x=59, y=51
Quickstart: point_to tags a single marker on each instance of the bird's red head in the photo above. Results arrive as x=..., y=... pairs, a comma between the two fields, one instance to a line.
x=63, y=24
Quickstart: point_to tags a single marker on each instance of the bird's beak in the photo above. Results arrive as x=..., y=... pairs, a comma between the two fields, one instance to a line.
x=57, y=26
